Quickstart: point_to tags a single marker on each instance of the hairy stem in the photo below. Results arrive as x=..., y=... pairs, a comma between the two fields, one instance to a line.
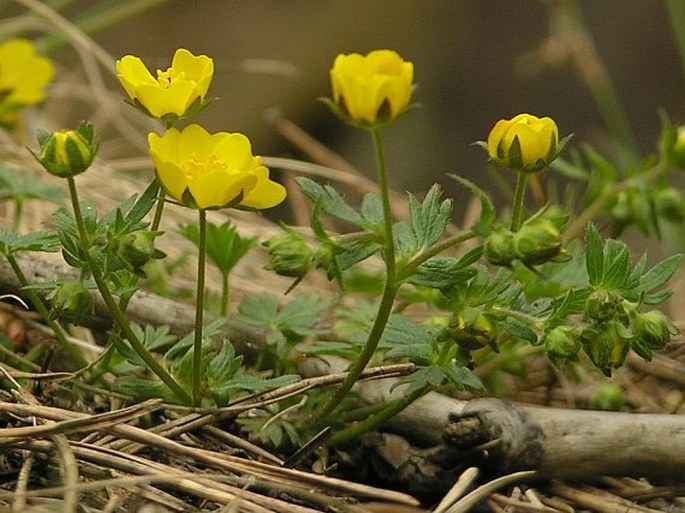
x=113, y=307
x=199, y=308
x=389, y=289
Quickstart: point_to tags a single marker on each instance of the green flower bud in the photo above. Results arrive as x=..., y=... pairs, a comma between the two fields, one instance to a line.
x=289, y=254
x=607, y=345
x=679, y=148
x=670, y=205
x=68, y=152
x=471, y=330
x=607, y=397
x=562, y=345
x=538, y=241
x=71, y=301
x=603, y=305
x=137, y=248
x=654, y=329
x=632, y=207
x=499, y=248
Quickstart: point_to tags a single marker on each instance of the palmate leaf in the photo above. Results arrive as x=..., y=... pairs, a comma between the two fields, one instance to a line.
x=429, y=218
x=330, y=201
x=11, y=242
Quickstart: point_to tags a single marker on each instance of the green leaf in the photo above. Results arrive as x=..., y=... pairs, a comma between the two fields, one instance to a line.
x=372, y=213
x=520, y=330
x=11, y=242
x=142, y=389
x=463, y=378
x=403, y=331
x=442, y=272
x=330, y=201
x=594, y=255
x=488, y=213
x=616, y=264
x=144, y=204
x=660, y=273
x=294, y=320
x=223, y=366
x=428, y=377
x=406, y=245
x=24, y=186
x=430, y=218
x=225, y=247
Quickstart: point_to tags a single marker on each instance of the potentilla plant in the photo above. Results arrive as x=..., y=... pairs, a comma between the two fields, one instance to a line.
x=518, y=277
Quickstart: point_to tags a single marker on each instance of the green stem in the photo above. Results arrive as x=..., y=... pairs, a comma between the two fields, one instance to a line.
x=42, y=310
x=519, y=197
x=389, y=290
x=411, y=266
x=115, y=311
x=223, y=309
x=18, y=210
x=199, y=308
x=390, y=410
x=159, y=208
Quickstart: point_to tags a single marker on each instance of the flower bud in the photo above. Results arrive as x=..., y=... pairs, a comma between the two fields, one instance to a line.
x=538, y=241
x=71, y=301
x=607, y=397
x=654, y=329
x=499, y=247
x=603, y=305
x=137, y=248
x=562, y=345
x=68, y=152
x=473, y=331
x=289, y=254
x=679, y=147
x=524, y=143
x=670, y=205
x=607, y=345
x=373, y=89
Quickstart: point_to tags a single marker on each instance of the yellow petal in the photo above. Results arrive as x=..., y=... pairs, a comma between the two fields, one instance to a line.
x=23, y=73
x=198, y=69
x=160, y=100
x=132, y=73
x=172, y=178
x=218, y=189
x=235, y=151
x=496, y=135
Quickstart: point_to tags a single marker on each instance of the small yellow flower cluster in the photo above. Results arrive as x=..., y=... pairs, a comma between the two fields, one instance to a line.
x=24, y=76
x=198, y=169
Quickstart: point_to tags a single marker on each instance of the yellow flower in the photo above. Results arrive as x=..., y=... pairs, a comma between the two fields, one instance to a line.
x=24, y=75
x=524, y=143
x=205, y=171
x=372, y=89
x=174, y=91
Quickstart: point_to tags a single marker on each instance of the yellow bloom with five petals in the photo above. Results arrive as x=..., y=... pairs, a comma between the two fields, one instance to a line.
x=24, y=76
x=208, y=171
x=172, y=94
x=525, y=142
x=371, y=89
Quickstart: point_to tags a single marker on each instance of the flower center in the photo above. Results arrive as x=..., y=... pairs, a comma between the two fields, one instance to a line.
x=166, y=78
x=197, y=166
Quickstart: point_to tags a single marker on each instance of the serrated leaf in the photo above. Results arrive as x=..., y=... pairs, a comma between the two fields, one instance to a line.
x=329, y=200
x=463, y=378
x=372, y=213
x=594, y=255
x=430, y=217
x=660, y=273
x=223, y=366
x=488, y=212
x=417, y=354
x=403, y=331
x=428, y=377
x=442, y=272
x=406, y=245
x=142, y=389
x=616, y=264
x=520, y=330
x=144, y=204
x=12, y=242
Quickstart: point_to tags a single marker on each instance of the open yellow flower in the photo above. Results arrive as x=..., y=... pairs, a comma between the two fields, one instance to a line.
x=525, y=142
x=206, y=171
x=24, y=75
x=372, y=89
x=172, y=92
